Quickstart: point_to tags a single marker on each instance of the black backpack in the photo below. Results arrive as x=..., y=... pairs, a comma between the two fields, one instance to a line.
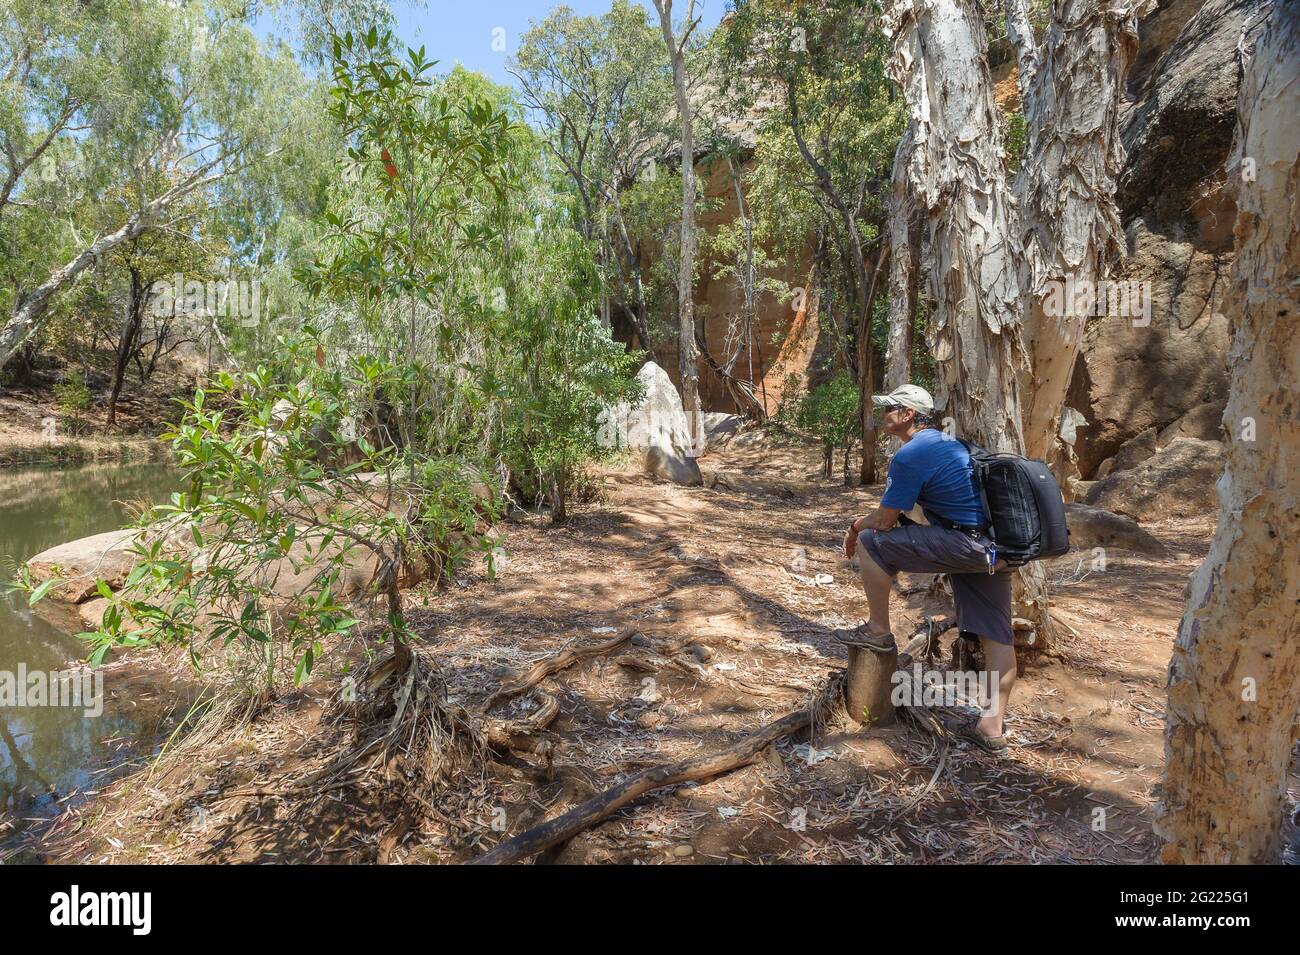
x=1022, y=504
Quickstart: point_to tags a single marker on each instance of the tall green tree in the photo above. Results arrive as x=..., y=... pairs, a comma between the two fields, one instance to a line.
x=831, y=128
x=183, y=97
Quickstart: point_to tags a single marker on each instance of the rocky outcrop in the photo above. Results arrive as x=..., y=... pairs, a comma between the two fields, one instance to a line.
x=1177, y=481
x=656, y=429
x=1202, y=422
x=1178, y=220
x=1094, y=527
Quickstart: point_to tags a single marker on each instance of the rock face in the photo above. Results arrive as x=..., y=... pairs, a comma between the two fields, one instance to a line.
x=1094, y=527
x=1178, y=219
x=657, y=430
x=1178, y=481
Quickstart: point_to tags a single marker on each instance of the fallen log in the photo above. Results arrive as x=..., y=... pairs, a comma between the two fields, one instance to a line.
x=604, y=805
x=540, y=670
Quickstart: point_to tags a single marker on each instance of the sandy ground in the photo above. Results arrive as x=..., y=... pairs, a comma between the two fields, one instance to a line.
x=733, y=568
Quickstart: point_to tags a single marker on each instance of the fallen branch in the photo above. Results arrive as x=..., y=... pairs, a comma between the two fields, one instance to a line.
x=604, y=805
x=554, y=664
x=924, y=640
x=520, y=736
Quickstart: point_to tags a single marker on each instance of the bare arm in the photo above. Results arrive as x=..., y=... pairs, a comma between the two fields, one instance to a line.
x=881, y=519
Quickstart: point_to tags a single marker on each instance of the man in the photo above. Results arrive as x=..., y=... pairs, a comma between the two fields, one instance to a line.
x=934, y=469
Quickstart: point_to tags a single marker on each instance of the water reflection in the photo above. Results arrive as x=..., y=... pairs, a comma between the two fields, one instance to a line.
x=48, y=752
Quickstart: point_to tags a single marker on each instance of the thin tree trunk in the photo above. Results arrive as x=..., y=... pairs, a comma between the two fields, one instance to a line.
x=1234, y=679
x=687, y=363
x=866, y=372
x=131, y=323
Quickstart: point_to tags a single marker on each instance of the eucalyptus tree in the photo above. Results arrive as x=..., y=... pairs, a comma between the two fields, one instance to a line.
x=156, y=255
x=601, y=93
x=817, y=69
x=677, y=38
x=183, y=96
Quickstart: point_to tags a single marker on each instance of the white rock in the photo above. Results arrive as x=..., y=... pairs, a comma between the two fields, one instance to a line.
x=657, y=429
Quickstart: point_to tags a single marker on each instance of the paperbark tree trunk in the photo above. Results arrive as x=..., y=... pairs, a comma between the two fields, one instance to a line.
x=1234, y=678
x=1003, y=365
x=1065, y=190
x=687, y=354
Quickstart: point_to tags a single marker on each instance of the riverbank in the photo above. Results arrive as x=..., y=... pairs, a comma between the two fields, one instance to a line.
x=34, y=449
x=37, y=429
x=735, y=589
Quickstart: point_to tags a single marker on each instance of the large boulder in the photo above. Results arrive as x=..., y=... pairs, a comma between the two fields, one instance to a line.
x=1131, y=453
x=656, y=429
x=720, y=427
x=81, y=563
x=1204, y=422
x=1178, y=481
x=1095, y=527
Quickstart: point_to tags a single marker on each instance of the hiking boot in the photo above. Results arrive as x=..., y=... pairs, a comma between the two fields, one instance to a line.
x=860, y=636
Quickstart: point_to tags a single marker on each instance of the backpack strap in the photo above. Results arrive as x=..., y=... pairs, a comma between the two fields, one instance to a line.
x=977, y=468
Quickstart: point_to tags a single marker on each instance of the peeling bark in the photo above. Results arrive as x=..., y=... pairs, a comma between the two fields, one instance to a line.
x=902, y=306
x=1065, y=190
x=1234, y=678
x=995, y=246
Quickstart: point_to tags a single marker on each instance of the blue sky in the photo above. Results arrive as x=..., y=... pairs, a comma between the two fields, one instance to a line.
x=462, y=30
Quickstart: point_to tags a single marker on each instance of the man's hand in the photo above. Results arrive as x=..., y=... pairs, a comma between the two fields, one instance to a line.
x=881, y=519
x=851, y=540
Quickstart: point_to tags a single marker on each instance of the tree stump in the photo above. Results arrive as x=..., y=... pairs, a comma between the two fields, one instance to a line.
x=869, y=683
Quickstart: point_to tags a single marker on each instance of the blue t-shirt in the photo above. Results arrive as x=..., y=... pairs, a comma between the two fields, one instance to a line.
x=934, y=470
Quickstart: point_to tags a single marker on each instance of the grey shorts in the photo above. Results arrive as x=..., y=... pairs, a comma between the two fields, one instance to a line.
x=983, y=600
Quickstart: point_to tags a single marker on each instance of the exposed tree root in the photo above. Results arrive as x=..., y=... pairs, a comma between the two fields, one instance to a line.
x=554, y=664
x=602, y=806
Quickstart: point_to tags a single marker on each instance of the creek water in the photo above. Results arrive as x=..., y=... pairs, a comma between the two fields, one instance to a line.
x=50, y=754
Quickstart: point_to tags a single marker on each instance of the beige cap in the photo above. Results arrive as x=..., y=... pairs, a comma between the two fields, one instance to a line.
x=909, y=396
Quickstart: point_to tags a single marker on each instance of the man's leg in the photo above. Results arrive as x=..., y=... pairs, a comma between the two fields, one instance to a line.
x=1000, y=665
x=875, y=583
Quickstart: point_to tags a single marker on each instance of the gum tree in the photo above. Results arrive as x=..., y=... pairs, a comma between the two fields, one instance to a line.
x=1234, y=678
x=998, y=244
x=174, y=96
x=832, y=126
x=676, y=42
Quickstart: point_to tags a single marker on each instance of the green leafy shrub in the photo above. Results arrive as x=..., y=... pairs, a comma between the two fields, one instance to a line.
x=273, y=546
x=828, y=413
x=72, y=398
